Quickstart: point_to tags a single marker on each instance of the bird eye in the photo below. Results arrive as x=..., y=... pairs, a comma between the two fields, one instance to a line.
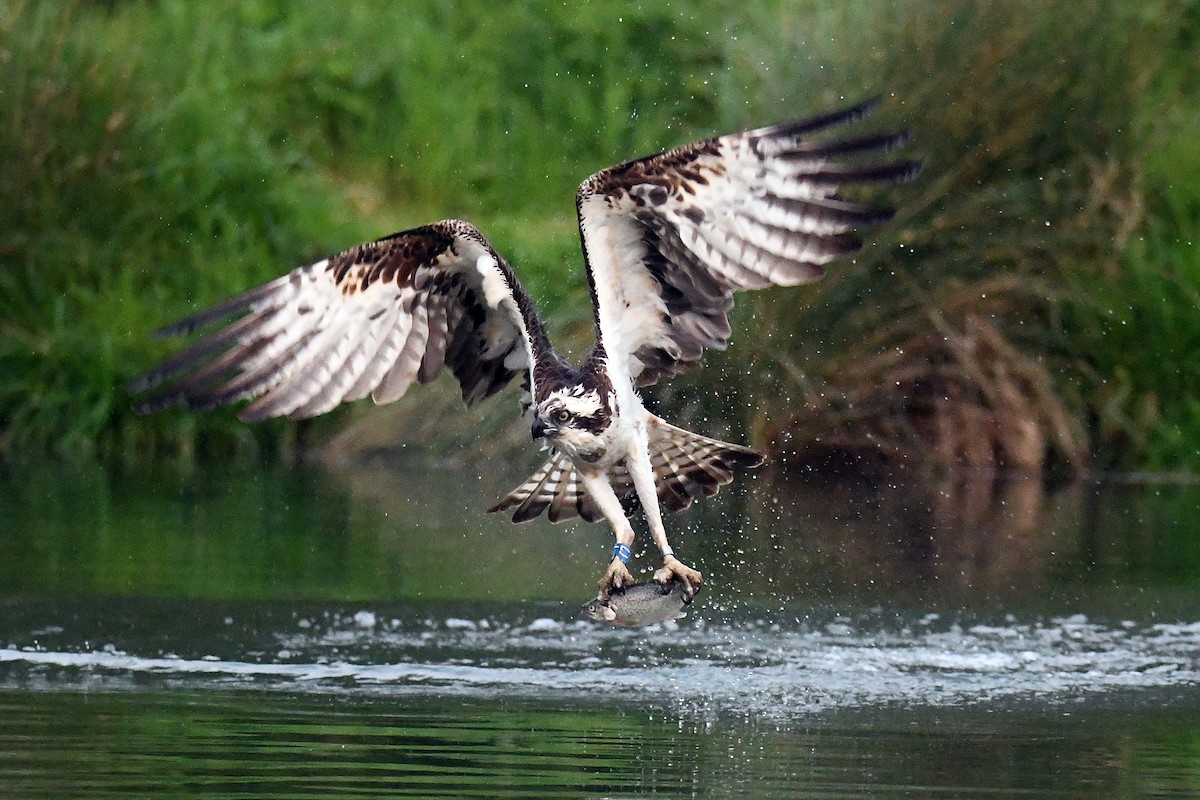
x=563, y=415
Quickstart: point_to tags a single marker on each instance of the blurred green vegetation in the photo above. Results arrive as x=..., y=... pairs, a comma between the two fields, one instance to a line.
x=276, y=531
x=280, y=532
x=979, y=329
x=155, y=157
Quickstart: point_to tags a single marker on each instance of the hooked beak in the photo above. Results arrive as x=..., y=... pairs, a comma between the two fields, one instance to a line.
x=542, y=429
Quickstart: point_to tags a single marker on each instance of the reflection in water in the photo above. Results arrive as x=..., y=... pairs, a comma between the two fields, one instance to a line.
x=295, y=634
x=229, y=745
x=974, y=541
x=268, y=532
x=934, y=542
x=213, y=746
x=417, y=533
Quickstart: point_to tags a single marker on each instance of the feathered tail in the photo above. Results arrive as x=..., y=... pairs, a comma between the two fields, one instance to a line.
x=687, y=466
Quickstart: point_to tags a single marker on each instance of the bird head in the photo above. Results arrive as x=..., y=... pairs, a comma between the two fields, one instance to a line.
x=572, y=419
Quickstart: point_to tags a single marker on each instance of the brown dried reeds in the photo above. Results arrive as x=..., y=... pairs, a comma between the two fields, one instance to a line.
x=947, y=390
x=945, y=346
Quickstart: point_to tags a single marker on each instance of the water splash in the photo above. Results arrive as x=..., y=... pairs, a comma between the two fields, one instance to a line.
x=746, y=667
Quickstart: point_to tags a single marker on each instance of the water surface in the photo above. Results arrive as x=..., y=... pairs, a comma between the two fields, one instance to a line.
x=273, y=633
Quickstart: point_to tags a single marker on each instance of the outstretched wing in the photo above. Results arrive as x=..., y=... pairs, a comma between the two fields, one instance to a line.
x=371, y=320
x=668, y=239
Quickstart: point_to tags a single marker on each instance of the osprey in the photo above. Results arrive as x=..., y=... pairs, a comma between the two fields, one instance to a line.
x=667, y=240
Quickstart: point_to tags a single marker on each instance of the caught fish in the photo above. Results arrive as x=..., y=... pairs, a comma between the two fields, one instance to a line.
x=640, y=605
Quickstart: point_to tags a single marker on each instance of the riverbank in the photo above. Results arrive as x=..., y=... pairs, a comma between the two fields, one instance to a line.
x=1033, y=306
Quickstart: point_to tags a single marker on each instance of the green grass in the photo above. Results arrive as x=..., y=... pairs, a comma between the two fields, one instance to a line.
x=155, y=157
x=1144, y=335
x=987, y=308
x=1141, y=328
x=129, y=199
x=159, y=156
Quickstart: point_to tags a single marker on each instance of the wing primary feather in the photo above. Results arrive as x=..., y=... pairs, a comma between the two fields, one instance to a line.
x=328, y=379
x=295, y=380
x=404, y=371
x=826, y=215
x=842, y=147
x=249, y=368
x=832, y=175
x=800, y=127
x=714, y=248
x=244, y=385
x=188, y=358
x=192, y=390
x=394, y=327
x=224, y=309
x=788, y=269
x=362, y=359
x=436, y=340
x=268, y=385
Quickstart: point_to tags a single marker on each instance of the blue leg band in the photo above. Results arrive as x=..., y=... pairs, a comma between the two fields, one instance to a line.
x=622, y=552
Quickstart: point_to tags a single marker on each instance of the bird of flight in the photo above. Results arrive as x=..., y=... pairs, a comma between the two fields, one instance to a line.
x=667, y=240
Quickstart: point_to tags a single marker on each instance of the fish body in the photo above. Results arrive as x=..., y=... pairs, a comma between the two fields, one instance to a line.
x=640, y=605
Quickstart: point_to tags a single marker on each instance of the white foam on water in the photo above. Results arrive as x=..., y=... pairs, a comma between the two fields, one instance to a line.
x=751, y=667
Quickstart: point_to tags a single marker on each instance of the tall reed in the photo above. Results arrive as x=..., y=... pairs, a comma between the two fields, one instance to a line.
x=966, y=334
x=1040, y=279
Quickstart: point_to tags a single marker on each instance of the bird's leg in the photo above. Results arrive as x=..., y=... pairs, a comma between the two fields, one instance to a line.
x=642, y=473
x=617, y=575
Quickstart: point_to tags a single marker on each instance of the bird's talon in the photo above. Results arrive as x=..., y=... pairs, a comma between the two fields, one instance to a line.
x=673, y=569
x=615, y=577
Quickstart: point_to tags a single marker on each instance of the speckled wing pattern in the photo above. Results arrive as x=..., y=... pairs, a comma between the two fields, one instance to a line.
x=556, y=489
x=369, y=321
x=686, y=465
x=668, y=239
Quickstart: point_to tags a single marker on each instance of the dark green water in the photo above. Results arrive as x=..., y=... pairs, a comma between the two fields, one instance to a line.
x=274, y=633
x=243, y=744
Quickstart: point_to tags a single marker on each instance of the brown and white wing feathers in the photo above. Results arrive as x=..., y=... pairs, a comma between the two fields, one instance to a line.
x=371, y=320
x=668, y=239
